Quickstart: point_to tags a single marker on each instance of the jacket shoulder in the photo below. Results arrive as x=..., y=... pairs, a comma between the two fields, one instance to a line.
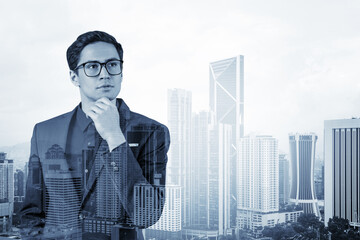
x=55, y=122
x=56, y=119
x=139, y=119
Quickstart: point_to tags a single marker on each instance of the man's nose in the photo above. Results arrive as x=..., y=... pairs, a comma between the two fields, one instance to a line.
x=103, y=72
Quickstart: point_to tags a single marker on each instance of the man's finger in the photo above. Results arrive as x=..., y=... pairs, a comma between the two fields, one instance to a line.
x=96, y=109
x=105, y=101
x=101, y=105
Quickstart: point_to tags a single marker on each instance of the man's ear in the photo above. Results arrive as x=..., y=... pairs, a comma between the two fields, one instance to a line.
x=74, y=78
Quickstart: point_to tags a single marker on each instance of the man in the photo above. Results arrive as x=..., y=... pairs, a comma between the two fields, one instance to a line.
x=99, y=170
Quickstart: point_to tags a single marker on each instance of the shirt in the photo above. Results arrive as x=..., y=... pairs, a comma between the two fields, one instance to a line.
x=81, y=142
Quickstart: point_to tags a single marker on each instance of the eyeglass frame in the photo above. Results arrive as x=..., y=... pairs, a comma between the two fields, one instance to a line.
x=101, y=66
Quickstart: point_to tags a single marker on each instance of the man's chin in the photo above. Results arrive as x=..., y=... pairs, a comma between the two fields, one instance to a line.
x=110, y=97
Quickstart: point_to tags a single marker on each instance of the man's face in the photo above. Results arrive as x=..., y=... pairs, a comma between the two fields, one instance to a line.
x=103, y=85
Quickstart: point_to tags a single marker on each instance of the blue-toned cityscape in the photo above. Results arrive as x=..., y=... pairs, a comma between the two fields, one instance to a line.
x=220, y=183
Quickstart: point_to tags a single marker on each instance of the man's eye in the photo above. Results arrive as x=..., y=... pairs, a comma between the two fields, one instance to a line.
x=92, y=66
x=113, y=64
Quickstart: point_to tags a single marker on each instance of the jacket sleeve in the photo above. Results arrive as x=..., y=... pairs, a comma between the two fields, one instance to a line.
x=32, y=213
x=143, y=194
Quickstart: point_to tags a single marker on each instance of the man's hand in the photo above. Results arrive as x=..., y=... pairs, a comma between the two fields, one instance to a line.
x=106, y=119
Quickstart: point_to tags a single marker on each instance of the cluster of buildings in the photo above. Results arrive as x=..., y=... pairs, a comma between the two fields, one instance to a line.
x=225, y=181
x=218, y=180
x=12, y=191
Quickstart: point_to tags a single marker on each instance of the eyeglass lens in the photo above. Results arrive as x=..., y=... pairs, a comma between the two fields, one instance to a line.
x=93, y=69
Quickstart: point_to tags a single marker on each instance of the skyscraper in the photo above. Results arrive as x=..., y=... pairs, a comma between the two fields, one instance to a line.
x=258, y=179
x=145, y=205
x=179, y=164
x=342, y=176
x=219, y=178
x=6, y=179
x=302, y=154
x=6, y=190
x=169, y=224
x=227, y=93
x=63, y=186
x=35, y=178
x=19, y=185
x=227, y=107
x=199, y=170
x=319, y=179
x=284, y=182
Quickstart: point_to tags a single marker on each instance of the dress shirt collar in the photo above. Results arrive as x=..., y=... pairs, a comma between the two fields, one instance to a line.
x=82, y=119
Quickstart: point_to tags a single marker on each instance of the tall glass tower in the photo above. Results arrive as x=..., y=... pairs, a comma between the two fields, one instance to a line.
x=179, y=164
x=199, y=170
x=227, y=108
x=302, y=154
x=227, y=93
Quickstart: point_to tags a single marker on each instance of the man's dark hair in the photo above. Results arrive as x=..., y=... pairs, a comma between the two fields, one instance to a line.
x=73, y=52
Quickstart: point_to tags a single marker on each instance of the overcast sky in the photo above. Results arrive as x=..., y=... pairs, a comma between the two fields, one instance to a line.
x=301, y=58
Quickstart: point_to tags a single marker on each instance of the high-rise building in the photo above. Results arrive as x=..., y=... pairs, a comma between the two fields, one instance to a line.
x=302, y=154
x=26, y=172
x=63, y=190
x=342, y=176
x=169, y=224
x=227, y=107
x=258, y=179
x=284, y=181
x=146, y=205
x=6, y=191
x=6, y=179
x=227, y=93
x=109, y=183
x=19, y=185
x=107, y=199
x=219, y=178
x=179, y=164
x=199, y=171
x=35, y=178
x=319, y=181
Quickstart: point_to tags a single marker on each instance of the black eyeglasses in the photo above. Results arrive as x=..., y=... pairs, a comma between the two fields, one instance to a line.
x=93, y=68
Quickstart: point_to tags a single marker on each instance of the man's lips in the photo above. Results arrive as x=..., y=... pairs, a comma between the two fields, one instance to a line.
x=105, y=86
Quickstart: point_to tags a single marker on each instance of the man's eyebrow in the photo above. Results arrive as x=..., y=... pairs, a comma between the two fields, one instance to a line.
x=106, y=60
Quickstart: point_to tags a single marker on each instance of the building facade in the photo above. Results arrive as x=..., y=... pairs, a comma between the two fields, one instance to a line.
x=219, y=178
x=6, y=191
x=258, y=179
x=19, y=185
x=284, y=180
x=342, y=176
x=302, y=154
x=179, y=164
x=227, y=107
x=199, y=171
x=259, y=220
x=63, y=189
x=169, y=224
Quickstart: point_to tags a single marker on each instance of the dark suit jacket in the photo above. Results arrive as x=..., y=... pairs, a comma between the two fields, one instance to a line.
x=138, y=164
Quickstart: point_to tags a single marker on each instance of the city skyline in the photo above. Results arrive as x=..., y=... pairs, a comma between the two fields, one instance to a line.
x=221, y=139
x=300, y=70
